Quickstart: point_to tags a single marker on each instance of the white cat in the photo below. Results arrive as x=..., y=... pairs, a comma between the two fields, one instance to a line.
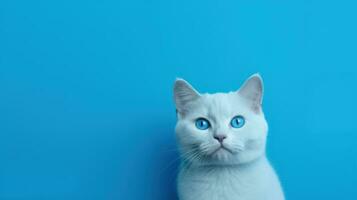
x=222, y=139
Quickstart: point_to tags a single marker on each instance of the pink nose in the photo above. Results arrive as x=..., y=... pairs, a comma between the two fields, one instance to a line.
x=220, y=138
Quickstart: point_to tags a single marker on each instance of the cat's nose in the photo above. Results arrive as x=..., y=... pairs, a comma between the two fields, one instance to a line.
x=220, y=138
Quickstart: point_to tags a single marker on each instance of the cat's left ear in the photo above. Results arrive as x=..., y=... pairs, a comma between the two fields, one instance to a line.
x=252, y=90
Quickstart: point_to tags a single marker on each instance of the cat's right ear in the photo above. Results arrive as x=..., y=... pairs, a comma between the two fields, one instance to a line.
x=252, y=90
x=183, y=94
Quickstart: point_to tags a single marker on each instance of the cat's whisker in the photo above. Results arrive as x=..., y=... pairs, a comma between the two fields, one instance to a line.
x=180, y=157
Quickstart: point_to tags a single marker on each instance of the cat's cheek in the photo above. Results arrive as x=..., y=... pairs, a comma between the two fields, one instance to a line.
x=254, y=144
x=189, y=135
x=200, y=137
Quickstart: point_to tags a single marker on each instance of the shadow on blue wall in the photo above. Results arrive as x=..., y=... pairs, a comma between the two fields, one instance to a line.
x=167, y=167
x=158, y=176
x=166, y=171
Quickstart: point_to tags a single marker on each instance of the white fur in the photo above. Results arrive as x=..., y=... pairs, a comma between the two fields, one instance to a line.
x=237, y=171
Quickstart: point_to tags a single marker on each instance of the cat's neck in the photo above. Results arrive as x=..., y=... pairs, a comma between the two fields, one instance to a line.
x=228, y=167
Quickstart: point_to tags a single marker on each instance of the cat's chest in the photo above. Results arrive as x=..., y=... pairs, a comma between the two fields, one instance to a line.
x=220, y=186
x=229, y=184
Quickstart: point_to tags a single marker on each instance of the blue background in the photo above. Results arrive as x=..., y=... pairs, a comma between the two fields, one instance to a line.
x=86, y=108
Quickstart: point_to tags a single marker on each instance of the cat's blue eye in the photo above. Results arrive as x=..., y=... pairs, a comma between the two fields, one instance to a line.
x=202, y=124
x=238, y=121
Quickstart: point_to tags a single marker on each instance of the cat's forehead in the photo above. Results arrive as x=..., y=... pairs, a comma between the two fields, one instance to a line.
x=220, y=104
x=216, y=99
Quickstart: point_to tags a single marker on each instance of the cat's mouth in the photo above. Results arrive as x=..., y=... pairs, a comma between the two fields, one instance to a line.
x=222, y=148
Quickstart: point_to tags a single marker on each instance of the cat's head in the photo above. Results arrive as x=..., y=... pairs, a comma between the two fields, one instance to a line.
x=221, y=128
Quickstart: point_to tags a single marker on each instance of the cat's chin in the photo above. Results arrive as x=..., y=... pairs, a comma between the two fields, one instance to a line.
x=223, y=157
x=221, y=154
x=220, y=157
